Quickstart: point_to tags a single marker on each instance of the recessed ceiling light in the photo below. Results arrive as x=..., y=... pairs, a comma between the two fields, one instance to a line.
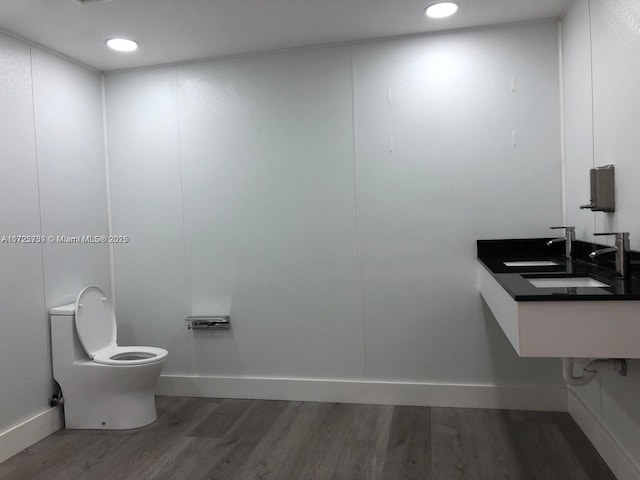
x=441, y=10
x=122, y=45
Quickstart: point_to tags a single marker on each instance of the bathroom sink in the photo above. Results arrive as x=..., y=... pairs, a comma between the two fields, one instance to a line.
x=555, y=282
x=568, y=326
x=532, y=263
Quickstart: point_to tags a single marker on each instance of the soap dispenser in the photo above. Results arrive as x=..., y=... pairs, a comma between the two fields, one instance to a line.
x=603, y=198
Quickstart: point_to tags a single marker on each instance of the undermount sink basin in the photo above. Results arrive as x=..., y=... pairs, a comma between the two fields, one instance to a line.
x=532, y=263
x=565, y=282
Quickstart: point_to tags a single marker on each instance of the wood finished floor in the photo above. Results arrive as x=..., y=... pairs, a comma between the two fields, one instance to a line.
x=198, y=438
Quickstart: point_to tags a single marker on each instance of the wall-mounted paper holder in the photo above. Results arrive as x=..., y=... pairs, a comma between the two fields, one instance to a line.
x=203, y=322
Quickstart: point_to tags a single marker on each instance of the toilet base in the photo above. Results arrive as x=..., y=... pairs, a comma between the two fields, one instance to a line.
x=104, y=397
x=117, y=412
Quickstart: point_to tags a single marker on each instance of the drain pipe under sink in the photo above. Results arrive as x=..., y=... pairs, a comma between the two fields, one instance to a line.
x=590, y=370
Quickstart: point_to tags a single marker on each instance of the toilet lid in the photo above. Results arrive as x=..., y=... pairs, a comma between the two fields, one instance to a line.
x=95, y=320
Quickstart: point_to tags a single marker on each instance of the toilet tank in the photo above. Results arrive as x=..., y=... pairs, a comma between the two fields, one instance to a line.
x=65, y=344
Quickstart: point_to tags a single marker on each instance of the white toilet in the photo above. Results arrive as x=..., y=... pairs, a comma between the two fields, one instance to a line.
x=105, y=386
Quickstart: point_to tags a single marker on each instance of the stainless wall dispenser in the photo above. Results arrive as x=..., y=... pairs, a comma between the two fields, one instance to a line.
x=205, y=322
x=603, y=192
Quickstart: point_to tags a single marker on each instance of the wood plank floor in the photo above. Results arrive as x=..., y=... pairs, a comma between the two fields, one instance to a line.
x=198, y=438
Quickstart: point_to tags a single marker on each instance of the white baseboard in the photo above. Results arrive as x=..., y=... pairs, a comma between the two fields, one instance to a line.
x=620, y=463
x=370, y=392
x=15, y=439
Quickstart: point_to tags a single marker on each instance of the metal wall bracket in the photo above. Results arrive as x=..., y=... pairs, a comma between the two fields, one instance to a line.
x=221, y=322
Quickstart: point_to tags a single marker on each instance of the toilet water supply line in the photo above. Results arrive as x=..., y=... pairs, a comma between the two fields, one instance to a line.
x=590, y=369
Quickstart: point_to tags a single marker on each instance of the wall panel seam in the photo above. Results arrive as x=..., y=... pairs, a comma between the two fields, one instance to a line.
x=357, y=214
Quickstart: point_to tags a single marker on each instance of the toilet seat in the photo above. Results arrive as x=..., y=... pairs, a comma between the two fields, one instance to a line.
x=95, y=321
x=116, y=355
x=97, y=330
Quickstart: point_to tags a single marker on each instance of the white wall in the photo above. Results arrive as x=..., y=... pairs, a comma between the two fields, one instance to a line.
x=578, y=118
x=24, y=363
x=453, y=177
x=264, y=187
x=610, y=135
x=52, y=183
x=70, y=150
x=146, y=205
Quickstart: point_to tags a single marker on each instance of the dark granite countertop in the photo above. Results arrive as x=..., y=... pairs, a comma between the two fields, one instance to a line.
x=493, y=253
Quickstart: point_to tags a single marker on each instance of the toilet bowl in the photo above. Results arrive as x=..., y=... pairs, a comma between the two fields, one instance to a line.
x=105, y=385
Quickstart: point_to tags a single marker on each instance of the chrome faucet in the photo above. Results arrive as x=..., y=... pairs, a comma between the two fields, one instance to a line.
x=569, y=238
x=623, y=260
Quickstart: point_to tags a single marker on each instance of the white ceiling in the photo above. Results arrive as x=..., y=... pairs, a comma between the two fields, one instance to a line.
x=175, y=30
